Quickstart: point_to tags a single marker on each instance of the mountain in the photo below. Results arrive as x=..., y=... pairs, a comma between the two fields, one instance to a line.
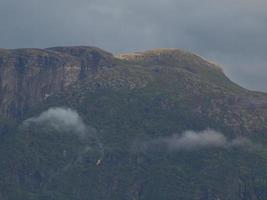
x=81, y=123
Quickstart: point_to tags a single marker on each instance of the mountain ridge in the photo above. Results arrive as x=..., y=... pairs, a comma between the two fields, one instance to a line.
x=159, y=52
x=30, y=76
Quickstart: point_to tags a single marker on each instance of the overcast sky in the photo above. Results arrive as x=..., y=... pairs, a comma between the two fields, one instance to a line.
x=230, y=32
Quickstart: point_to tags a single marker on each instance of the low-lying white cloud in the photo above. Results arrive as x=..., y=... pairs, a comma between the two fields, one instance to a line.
x=61, y=119
x=191, y=140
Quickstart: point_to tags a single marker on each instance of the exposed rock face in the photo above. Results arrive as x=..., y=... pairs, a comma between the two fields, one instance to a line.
x=90, y=58
x=28, y=76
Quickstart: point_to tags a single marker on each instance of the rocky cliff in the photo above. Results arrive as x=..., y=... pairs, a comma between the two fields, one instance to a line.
x=28, y=76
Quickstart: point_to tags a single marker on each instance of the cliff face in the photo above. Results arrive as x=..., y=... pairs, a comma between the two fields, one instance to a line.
x=28, y=76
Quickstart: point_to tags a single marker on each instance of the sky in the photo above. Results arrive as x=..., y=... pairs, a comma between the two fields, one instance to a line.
x=231, y=33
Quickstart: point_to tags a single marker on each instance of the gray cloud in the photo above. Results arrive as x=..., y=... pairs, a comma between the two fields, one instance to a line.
x=61, y=119
x=191, y=140
x=231, y=32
